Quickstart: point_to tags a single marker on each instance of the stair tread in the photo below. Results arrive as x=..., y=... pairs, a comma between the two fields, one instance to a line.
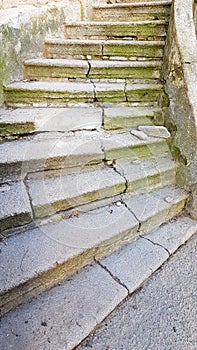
x=105, y=42
x=135, y=4
x=95, y=63
x=113, y=24
x=54, y=243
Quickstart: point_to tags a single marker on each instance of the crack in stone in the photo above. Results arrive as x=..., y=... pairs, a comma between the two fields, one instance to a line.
x=89, y=68
x=140, y=224
x=115, y=278
x=94, y=91
x=125, y=91
x=157, y=244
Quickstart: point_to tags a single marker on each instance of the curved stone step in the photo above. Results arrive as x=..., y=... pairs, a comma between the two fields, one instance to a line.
x=141, y=30
x=41, y=257
x=132, y=11
x=46, y=69
x=63, y=48
x=45, y=94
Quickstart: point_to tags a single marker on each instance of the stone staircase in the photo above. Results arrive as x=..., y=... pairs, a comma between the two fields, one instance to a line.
x=85, y=160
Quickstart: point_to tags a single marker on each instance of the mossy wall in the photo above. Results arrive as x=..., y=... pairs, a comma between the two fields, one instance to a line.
x=22, y=33
x=180, y=75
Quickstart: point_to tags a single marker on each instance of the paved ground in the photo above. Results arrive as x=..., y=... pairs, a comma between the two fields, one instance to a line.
x=160, y=316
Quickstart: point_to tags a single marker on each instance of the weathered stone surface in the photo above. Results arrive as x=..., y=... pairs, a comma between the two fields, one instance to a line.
x=126, y=146
x=155, y=131
x=110, y=92
x=174, y=234
x=130, y=117
x=132, y=11
x=135, y=263
x=143, y=92
x=41, y=257
x=24, y=121
x=49, y=93
x=51, y=195
x=139, y=134
x=152, y=210
x=55, y=69
x=107, y=30
x=48, y=153
x=148, y=175
x=15, y=209
x=79, y=305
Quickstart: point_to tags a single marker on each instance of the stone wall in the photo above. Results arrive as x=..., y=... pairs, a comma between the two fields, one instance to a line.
x=180, y=75
x=23, y=29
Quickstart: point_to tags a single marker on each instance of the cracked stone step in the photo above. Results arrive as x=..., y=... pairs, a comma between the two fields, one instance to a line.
x=62, y=48
x=41, y=257
x=117, y=118
x=45, y=94
x=141, y=30
x=133, y=11
x=49, y=152
x=147, y=175
x=63, y=192
x=24, y=121
x=59, y=69
x=84, y=300
x=15, y=208
x=126, y=147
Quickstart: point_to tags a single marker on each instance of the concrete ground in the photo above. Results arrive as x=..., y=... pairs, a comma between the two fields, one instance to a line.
x=161, y=315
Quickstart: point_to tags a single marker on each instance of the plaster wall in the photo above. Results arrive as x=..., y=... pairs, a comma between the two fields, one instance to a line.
x=180, y=75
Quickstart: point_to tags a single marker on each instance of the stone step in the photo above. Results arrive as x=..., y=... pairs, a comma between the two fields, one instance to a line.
x=57, y=194
x=27, y=120
x=39, y=258
x=45, y=94
x=58, y=152
x=46, y=69
x=142, y=30
x=23, y=121
x=63, y=48
x=117, y=118
x=132, y=11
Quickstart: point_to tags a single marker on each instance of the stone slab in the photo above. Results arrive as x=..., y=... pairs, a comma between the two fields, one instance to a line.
x=15, y=209
x=17, y=158
x=62, y=317
x=175, y=234
x=48, y=93
x=24, y=120
x=155, y=208
x=155, y=131
x=51, y=195
x=41, y=257
x=148, y=175
x=133, y=264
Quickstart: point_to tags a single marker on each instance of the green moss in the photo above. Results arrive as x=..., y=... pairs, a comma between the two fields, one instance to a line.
x=7, y=129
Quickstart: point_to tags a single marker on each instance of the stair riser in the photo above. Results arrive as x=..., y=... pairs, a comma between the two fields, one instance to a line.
x=127, y=13
x=129, y=31
x=48, y=73
x=17, y=97
x=97, y=51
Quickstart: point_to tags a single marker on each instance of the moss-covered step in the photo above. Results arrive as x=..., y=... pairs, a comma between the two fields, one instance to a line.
x=133, y=11
x=115, y=30
x=56, y=250
x=118, y=118
x=143, y=92
x=122, y=147
x=63, y=48
x=29, y=120
x=48, y=93
x=55, y=69
x=59, y=69
x=63, y=192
